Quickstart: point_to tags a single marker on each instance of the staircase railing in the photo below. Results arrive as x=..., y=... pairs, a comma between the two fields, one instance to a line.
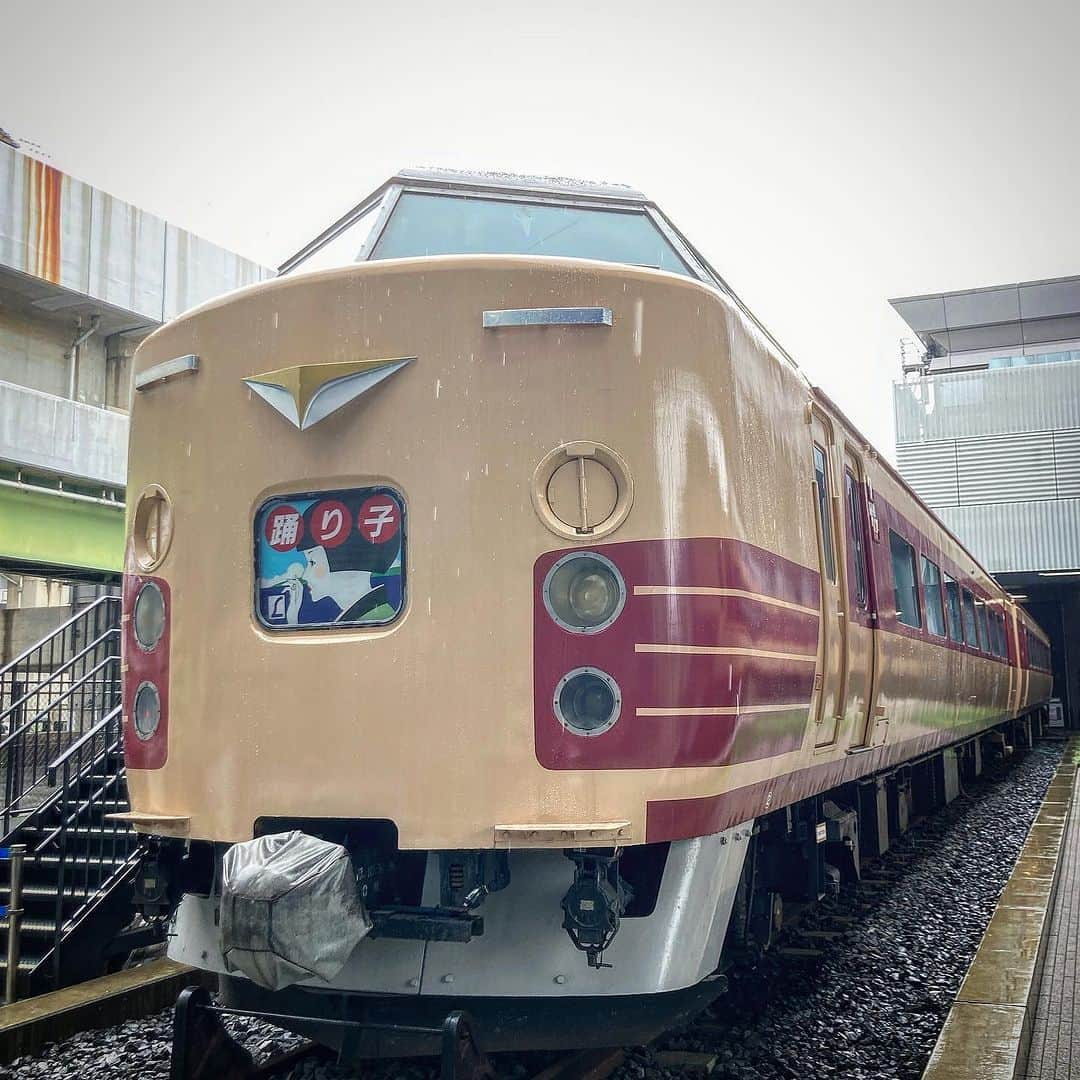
x=50, y=696
x=91, y=780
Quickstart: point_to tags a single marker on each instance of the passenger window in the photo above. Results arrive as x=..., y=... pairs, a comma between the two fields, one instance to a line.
x=952, y=606
x=971, y=634
x=980, y=614
x=856, y=537
x=821, y=480
x=935, y=609
x=904, y=581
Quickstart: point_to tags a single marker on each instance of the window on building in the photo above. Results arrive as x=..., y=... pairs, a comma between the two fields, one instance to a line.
x=821, y=482
x=904, y=581
x=856, y=537
x=984, y=635
x=971, y=632
x=935, y=608
x=952, y=608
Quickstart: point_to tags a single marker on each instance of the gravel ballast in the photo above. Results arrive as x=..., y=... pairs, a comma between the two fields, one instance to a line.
x=869, y=1009
x=873, y=1007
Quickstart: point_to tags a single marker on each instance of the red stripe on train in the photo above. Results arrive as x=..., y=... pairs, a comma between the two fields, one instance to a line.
x=673, y=680
x=679, y=819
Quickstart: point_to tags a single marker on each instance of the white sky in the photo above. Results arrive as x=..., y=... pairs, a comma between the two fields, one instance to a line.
x=824, y=155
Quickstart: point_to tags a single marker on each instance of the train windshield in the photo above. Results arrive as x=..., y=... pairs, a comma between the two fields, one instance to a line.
x=430, y=224
x=423, y=223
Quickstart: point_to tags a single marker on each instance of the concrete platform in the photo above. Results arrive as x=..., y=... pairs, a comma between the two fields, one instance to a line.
x=1055, y=1032
x=26, y=1026
x=1013, y=1017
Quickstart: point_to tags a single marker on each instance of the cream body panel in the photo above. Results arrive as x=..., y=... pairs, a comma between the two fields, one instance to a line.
x=430, y=721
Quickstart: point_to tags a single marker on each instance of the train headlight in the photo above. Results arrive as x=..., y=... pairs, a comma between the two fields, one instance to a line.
x=146, y=714
x=149, y=616
x=587, y=701
x=584, y=592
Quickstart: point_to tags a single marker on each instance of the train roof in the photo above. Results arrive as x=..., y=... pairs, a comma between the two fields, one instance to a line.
x=377, y=208
x=522, y=182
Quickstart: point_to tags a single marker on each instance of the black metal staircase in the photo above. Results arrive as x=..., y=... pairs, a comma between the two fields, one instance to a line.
x=61, y=759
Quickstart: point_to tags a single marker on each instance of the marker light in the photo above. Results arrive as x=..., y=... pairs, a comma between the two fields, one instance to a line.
x=584, y=592
x=147, y=712
x=149, y=616
x=587, y=701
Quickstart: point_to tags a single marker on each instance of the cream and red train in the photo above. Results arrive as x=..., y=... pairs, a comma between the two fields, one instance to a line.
x=508, y=552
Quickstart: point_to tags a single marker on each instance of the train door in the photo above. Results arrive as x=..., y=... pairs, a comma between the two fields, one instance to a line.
x=1013, y=654
x=1023, y=660
x=860, y=624
x=829, y=677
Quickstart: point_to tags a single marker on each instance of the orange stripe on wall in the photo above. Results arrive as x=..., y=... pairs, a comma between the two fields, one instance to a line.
x=47, y=187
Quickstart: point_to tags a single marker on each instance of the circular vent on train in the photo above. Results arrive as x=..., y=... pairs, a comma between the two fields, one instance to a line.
x=582, y=489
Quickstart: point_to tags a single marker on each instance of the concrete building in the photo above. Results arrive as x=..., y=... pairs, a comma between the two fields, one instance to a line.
x=988, y=433
x=84, y=277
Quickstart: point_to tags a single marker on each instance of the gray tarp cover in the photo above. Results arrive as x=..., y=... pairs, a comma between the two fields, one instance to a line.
x=289, y=909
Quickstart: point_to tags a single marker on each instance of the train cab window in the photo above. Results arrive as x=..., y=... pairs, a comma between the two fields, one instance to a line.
x=980, y=615
x=904, y=581
x=425, y=223
x=952, y=609
x=821, y=483
x=971, y=633
x=856, y=537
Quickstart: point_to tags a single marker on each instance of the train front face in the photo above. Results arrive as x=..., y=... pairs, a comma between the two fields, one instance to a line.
x=397, y=538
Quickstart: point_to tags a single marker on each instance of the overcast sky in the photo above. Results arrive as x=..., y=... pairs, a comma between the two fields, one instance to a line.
x=824, y=155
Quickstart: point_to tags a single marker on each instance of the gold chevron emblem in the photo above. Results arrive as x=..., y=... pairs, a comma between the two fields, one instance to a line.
x=308, y=393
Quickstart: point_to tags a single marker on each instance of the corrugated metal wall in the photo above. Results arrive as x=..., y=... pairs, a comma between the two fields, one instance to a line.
x=997, y=455
x=994, y=468
x=1019, y=537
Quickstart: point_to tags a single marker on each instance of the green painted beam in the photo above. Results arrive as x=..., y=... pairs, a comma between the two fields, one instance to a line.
x=49, y=529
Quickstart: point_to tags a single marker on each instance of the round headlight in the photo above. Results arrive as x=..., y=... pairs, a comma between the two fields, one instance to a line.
x=584, y=592
x=587, y=701
x=147, y=711
x=149, y=616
